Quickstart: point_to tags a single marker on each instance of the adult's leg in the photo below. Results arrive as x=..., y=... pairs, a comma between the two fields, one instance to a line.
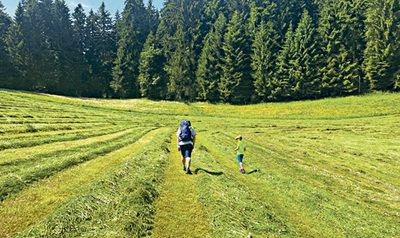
x=188, y=160
x=188, y=155
x=183, y=160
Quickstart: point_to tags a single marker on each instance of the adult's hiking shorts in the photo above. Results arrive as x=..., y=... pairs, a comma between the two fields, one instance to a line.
x=240, y=157
x=186, y=150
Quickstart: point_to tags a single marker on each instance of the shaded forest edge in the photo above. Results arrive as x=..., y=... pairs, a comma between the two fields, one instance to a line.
x=241, y=51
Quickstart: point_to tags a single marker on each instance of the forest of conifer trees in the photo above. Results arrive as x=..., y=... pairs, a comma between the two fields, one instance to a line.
x=236, y=51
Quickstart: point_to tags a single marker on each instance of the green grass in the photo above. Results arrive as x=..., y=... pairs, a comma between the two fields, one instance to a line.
x=325, y=168
x=119, y=204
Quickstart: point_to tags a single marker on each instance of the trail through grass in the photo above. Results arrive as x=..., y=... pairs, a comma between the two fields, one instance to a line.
x=34, y=203
x=178, y=211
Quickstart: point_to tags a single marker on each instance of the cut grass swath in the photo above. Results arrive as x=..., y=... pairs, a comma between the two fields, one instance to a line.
x=120, y=203
x=15, y=182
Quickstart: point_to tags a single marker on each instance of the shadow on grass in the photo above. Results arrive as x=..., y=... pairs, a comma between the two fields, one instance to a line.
x=209, y=172
x=254, y=171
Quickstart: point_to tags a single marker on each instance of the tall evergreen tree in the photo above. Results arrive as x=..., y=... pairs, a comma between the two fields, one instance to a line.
x=5, y=64
x=79, y=28
x=182, y=15
x=209, y=70
x=382, y=53
x=134, y=29
x=34, y=23
x=92, y=56
x=14, y=43
x=285, y=77
x=153, y=16
x=180, y=69
x=265, y=50
x=340, y=69
x=234, y=62
x=79, y=20
x=66, y=48
x=305, y=59
x=152, y=77
x=106, y=47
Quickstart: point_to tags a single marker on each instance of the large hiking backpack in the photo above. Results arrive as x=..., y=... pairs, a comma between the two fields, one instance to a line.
x=186, y=133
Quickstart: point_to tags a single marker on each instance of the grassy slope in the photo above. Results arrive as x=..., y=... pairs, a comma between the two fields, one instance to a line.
x=317, y=168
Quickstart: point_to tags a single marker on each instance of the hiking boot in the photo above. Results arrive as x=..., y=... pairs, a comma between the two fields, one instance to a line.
x=184, y=168
x=188, y=171
x=242, y=171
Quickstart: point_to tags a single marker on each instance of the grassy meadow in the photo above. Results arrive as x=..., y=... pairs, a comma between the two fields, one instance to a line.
x=109, y=168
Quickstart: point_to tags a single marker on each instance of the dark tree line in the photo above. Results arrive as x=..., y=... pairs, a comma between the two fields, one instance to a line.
x=236, y=51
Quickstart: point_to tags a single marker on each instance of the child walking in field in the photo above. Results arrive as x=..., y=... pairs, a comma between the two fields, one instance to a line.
x=240, y=148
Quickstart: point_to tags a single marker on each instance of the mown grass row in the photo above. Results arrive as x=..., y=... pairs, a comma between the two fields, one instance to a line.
x=18, y=177
x=317, y=189
x=19, y=156
x=19, y=159
x=119, y=204
x=40, y=138
x=64, y=108
x=40, y=127
x=31, y=109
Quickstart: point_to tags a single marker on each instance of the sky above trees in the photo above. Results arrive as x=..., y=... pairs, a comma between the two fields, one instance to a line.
x=111, y=5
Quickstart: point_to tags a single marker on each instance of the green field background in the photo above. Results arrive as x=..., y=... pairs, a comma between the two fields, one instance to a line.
x=109, y=168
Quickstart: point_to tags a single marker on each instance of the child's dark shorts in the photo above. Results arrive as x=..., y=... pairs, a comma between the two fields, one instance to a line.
x=240, y=157
x=186, y=150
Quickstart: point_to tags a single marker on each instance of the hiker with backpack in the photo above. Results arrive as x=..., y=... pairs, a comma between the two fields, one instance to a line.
x=186, y=138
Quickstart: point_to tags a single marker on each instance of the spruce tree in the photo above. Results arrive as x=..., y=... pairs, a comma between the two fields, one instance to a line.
x=340, y=68
x=180, y=69
x=184, y=16
x=35, y=23
x=14, y=44
x=5, y=64
x=79, y=28
x=152, y=77
x=209, y=66
x=153, y=16
x=305, y=60
x=66, y=48
x=106, y=48
x=133, y=31
x=264, y=56
x=381, y=65
x=285, y=77
x=234, y=58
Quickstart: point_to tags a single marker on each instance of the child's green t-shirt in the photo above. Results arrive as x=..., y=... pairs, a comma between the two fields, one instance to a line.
x=241, y=146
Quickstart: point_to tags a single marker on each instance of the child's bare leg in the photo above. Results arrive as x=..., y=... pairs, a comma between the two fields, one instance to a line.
x=241, y=166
